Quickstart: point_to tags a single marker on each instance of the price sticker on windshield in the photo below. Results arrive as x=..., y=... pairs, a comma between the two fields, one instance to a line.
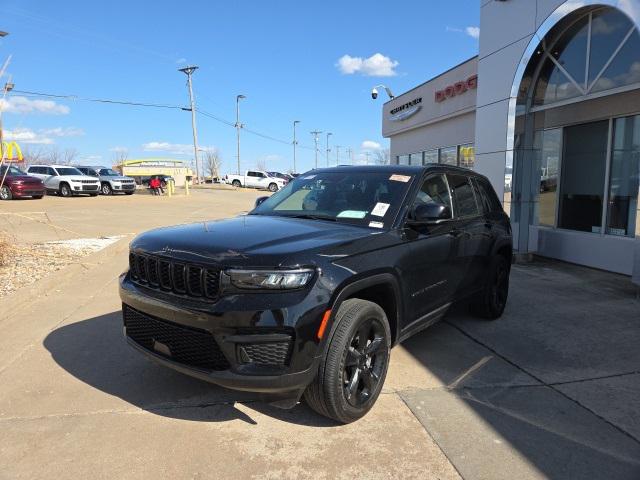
x=376, y=225
x=380, y=209
x=400, y=178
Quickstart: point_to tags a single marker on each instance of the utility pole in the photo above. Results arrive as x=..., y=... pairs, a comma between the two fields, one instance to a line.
x=328, y=149
x=349, y=157
x=295, y=142
x=367, y=154
x=238, y=126
x=315, y=134
x=338, y=147
x=188, y=71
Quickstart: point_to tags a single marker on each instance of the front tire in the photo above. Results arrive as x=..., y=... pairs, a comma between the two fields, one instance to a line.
x=5, y=193
x=491, y=301
x=106, y=189
x=65, y=190
x=273, y=187
x=353, y=370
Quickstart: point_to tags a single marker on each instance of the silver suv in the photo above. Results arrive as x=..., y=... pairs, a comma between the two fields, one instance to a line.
x=65, y=180
x=110, y=181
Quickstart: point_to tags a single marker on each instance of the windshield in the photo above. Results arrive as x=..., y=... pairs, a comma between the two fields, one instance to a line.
x=68, y=171
x=12, y=171
x=107, y=172
x=362, y=198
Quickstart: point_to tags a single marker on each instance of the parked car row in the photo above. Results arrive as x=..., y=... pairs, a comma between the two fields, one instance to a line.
x=63, y=180
x=272, y=181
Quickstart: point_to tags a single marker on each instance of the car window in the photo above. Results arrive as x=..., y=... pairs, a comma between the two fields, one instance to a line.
x=50, y=171
x=464, y=198
x=251, y=174
x=488, y=195
x=434, y=190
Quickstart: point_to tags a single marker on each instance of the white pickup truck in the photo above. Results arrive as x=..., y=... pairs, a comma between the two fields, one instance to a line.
x=256, y=179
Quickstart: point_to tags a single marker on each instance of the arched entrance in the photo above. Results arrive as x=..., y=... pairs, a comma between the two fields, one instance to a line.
x=574, y=129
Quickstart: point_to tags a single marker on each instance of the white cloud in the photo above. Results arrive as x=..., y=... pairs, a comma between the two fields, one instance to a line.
x=377, y=65
x=119, y=149
x=172, y=148
x=26, y=135
x=181, y=60
x=24, y=105
x=454, y=29
x=370, y=145
x=63, y=132
x=473, y=32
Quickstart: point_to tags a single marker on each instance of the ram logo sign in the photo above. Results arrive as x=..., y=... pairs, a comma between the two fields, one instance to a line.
x=11, y=152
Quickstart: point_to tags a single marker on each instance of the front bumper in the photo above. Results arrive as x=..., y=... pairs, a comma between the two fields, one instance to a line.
x=246, y=338
x=27, y=190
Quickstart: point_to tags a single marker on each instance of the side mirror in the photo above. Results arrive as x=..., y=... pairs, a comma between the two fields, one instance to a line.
x=259, y=201
x=430, y=213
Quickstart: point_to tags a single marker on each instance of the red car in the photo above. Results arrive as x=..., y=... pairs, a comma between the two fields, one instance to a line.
x=18, y=184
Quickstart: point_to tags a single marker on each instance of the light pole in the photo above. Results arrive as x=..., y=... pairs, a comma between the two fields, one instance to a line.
x=328, y=149
x=7, y=88
x=338, y=147
x=315, y=134
x=349, y=157
x=188, y=71
x=238, y=126
x=295, y=142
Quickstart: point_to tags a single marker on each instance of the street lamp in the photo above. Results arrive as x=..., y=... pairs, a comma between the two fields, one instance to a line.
x=238, y=125
x=328, y=149
x=294, y=144
x=188, y=71
x=374, y=92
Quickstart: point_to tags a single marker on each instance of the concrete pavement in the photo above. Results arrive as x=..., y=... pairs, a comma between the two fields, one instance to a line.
x=548, y=391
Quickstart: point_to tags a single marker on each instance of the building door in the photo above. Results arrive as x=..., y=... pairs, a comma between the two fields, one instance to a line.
x=582, y=179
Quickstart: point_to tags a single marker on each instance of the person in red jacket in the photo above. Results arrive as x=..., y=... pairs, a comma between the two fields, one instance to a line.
x=154, y=184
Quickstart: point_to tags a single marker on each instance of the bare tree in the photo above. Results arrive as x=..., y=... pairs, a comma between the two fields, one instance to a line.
x=261, y=164
x=212, y=162
x=120, y=156
x=382, y=156
x=52, y=156
x=69, y=156
x=33, y=155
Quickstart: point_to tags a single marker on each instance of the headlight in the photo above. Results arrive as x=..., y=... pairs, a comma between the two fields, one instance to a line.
x=270, y=279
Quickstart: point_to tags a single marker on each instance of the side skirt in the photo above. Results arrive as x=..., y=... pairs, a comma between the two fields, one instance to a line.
x=424, y=322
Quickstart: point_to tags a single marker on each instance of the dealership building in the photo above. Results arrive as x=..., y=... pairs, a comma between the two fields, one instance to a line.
x=549, y=111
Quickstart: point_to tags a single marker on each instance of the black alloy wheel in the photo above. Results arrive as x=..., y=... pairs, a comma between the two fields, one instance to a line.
x=5, y=193
x=352, y=371
x=492, y=300
x=365, y=361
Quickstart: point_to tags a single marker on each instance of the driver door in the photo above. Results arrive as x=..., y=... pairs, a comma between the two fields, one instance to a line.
x=434, y=271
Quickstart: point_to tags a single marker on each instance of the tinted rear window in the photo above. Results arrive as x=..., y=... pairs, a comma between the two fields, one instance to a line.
x=464, y=199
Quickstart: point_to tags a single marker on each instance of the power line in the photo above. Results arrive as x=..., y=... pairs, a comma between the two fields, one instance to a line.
x=98, y=100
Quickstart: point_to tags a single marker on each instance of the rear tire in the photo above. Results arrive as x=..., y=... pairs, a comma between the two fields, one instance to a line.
x=352, y=372
x=236, y=183
x=65, y=190
x=5, y=193
x=491, y=301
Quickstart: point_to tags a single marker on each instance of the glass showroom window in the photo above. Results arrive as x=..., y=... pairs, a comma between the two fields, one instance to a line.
x=449, y=155
x=430, y=156
x=597, y=52
x=623, y=215
x=403, y=159
x=416, y=158
x=467, y=156
x=548, y=144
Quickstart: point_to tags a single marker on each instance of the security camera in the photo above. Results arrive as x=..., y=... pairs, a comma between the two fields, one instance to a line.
x=374, y=93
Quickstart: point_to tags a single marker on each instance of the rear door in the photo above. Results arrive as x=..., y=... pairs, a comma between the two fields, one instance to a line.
x=434, y=268
x=471, y=231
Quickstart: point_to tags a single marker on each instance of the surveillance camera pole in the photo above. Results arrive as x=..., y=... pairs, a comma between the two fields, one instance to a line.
x=188, y=71
x=315, y=134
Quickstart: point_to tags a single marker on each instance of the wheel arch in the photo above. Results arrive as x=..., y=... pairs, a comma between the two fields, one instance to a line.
x=382, y=289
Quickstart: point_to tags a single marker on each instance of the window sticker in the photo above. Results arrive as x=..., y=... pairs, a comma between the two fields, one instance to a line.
x=376, y=224
x=400, y=178
x=351, y=214
x=380, y=209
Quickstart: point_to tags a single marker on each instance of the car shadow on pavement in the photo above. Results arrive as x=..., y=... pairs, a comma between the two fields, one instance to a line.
x=95, y=352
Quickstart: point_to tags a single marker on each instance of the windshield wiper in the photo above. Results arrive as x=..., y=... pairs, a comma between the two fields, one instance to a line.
x=312, y=217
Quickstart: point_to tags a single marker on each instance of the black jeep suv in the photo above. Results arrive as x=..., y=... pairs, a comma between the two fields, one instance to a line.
x=310, y=290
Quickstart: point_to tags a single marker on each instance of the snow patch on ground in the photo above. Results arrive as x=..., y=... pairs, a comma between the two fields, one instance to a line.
x=86, y=245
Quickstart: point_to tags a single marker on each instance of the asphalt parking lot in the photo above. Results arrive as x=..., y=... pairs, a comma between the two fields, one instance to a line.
x=551, y=390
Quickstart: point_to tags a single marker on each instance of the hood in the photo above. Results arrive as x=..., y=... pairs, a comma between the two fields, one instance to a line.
x=117, y=178
x=254, y=240
x=79, y=178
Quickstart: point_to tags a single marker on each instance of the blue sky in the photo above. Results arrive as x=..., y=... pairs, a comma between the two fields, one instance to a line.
x=294, y=60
